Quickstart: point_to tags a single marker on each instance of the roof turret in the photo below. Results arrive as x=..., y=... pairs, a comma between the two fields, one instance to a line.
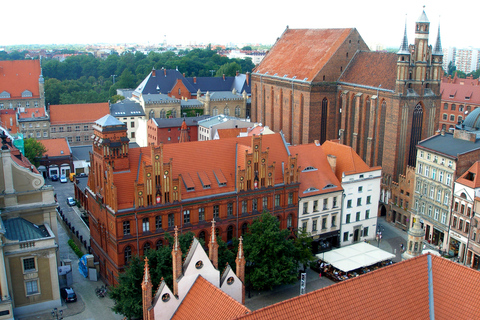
x=438, y=45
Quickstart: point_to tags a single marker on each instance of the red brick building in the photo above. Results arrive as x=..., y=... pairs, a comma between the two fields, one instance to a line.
x=137, y=195
x=322, y=84
x=160, y=130
x=459, y=98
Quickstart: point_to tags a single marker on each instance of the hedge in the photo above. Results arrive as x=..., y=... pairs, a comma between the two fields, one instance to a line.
x=75, y=249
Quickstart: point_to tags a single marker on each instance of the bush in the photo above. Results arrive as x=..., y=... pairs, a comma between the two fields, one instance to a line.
x=75, y=249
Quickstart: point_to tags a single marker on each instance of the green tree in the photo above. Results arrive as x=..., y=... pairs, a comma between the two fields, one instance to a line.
x=34, y=151
x=303, y=245
x=229, y=69
x=270, y=255
x=247, y=48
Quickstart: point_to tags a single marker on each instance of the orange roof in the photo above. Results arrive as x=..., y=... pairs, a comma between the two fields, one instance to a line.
x=189, y=159
x=230, y=133
x=36, y=112
x=205, y=301
x=8, y=116
x=56, y=147
x=348, y=161
x=78, y=113
x=398, y=291
x=470, y=178
x=465, y=91
x=323, y=179
x=372, y=69
x=302, y=53
x=20, y=75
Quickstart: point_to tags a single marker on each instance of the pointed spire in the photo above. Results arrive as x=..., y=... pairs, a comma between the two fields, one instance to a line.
x=175, y=243
x=213, y=247
x=404, y=45
x=240, y=264
x=146, y=291
x=438, y=45
x=177, y=262
x=146, y=272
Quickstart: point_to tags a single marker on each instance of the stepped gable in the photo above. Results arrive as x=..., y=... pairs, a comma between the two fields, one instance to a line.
x=372, y=69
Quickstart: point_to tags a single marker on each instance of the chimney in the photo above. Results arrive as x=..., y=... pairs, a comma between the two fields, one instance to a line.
x=442, y=132
x=177, y=262
x=240, y=261
x=194, y=80
x=165, y=72
x=213, y=247
x=224, y=77
x=146, y=291
x=247, y=78
x=184, y=74
x=154, y=72
x=332, y=161
x=236, y=73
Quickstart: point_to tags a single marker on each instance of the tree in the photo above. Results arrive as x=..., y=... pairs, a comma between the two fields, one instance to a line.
x=229, y=69
x=247, y=48
x=303, y=245
x=270, y=255
x=34, y=151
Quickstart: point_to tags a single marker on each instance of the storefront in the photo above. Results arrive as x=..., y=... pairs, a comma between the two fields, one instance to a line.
x=437, y=237
x=453, y=247
x=457, y=246
x=325, y=242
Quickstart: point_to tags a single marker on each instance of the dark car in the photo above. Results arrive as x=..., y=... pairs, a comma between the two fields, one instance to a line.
x=54, y=177
x=68, y=294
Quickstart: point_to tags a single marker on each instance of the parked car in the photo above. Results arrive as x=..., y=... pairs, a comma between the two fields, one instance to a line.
x=63, y=178
x=70, y=201
x=54, y=177
x=68, y=294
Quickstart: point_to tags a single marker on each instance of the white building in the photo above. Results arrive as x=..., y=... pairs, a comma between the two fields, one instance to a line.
x=208, y=127
x=361, y=185
x=132, y=114
x=466, y=60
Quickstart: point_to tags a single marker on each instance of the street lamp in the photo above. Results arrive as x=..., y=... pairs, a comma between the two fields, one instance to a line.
x=114, y=75
x=57, y=314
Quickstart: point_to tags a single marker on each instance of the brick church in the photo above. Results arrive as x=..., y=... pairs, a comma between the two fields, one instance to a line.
x=323, y=84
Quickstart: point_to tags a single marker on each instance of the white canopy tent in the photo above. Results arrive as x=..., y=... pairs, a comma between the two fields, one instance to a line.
x=355, y=256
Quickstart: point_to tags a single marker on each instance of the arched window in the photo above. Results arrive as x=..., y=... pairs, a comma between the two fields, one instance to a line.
x=381, y=133
x=218, y=232
x=417, y=123
x=229, y=234
x=445, y=106
x=452, y=117
x=146, y=247
x=215, y=112
x=289, y=221
x=151, y=114
x=244, y=228
x=162, y=113
x=159, y=244
x=127, y=254
x=201, y=235
x=226, y=111
x=445, y=117
x=174, y=113
x=323, y=125
x=237, y=111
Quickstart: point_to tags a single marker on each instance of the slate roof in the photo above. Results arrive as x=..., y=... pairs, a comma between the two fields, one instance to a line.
x=323, y=180
x=77, y=113
x=448, y=145
x=371, y=69
x=127, y=108
x=398, y=291
x=205, y=301
x=20, y=75
x=162, y=82
x=81, y=152
x=214, y=120
x=177, y=122
x=23, y=230
x=348, y=161
x=191, y=103
x=56, y=147
x=213, y=84
x=108, y=120
x=302, y=53
x=155, y=98
x=224, y=95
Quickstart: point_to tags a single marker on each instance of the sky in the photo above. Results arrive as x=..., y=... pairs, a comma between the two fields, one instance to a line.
x=224, y=22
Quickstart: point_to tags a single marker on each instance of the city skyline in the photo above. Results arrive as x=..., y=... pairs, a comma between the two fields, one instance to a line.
x=378, y=22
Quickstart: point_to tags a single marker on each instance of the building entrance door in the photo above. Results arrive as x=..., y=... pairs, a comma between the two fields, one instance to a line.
x=356, y=235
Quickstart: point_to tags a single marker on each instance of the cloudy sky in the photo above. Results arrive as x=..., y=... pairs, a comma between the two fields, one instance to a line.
x=221, y=22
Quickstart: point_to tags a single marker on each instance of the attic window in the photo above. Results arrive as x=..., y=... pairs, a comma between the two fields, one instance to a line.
x=26, y=94
x=329, y=186
x=467, y=98
x=311, y=189
x=4, y=95
x=470, y=176
x=191, y=189
x=309, y=168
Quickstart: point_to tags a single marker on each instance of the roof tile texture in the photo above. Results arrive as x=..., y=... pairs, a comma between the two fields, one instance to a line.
x=20, y=75
x=78, y=113
x=56, y=147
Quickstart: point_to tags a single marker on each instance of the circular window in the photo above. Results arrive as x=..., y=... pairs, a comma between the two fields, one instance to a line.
x=256, y=146
x=263, y=160
x=269, y=174
x=230, y=280
x=149, y=174
x=199, y=264
x=165, y=297
x=166, y=172
x=175, y=188
x=140, y=193
x=241, y=178
x=157, y=157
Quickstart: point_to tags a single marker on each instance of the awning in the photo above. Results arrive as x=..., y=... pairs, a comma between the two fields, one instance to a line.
x=355, y=256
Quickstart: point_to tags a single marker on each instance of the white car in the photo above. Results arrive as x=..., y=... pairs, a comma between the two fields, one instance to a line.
x=70, y=201
x=63, y=178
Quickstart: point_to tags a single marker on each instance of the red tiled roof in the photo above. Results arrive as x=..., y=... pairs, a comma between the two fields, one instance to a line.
x=460, y=90
x=20, y=75
x=302, y=53
x=398, y=291
x=471, y=177
x=78, y=113
x=230, y=133
x=372, y=69
x=56, y=147
x=37, y=112
x=311, y=155
x=8, y=116
x=348, y=161
x=205, y=157
x=205, y=301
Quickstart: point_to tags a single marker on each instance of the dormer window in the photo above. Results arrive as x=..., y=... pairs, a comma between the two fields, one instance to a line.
x=26, y=94
x=4, y=95
x=311, y=189
x=329, y=186
x=309, y=168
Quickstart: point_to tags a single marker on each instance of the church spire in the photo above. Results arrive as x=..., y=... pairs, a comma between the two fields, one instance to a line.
x=177, y=262
x=404, y=45
x=438, y=45
x=213, y=247
x=146, y=291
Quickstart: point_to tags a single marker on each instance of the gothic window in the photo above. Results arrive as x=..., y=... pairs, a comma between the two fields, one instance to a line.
x=127, y=254
x=215, y=112
x=162, y=113
x=201, y=235
x=159, y=244
x=416, y=134
x=237, y=111
x=146, y=247
x=151, y=114
x=323, y=125
x=381, y=133
x=244, y=228
x=229, y=234
x=226, y=111
x=174, y=113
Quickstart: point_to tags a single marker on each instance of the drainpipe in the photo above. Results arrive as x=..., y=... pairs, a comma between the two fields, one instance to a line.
x=431, y=304
x=136, y=227
x=236, y=189
x=293, y=104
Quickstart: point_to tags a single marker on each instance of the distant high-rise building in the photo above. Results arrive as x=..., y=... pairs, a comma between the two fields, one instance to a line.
x=466, y=60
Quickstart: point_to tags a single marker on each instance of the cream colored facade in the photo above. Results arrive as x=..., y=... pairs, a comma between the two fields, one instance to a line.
x=28, y=256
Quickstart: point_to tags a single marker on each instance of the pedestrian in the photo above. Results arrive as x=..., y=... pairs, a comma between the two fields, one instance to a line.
x=320, y=275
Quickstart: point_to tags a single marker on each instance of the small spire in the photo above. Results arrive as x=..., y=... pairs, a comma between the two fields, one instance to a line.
x=240, y=248
x=438, y=45
x=146, y=273
x=404, y=45
x=176, y=245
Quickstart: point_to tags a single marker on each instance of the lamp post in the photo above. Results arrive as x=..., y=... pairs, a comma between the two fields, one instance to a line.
x=114, y=75
x=57, y=314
